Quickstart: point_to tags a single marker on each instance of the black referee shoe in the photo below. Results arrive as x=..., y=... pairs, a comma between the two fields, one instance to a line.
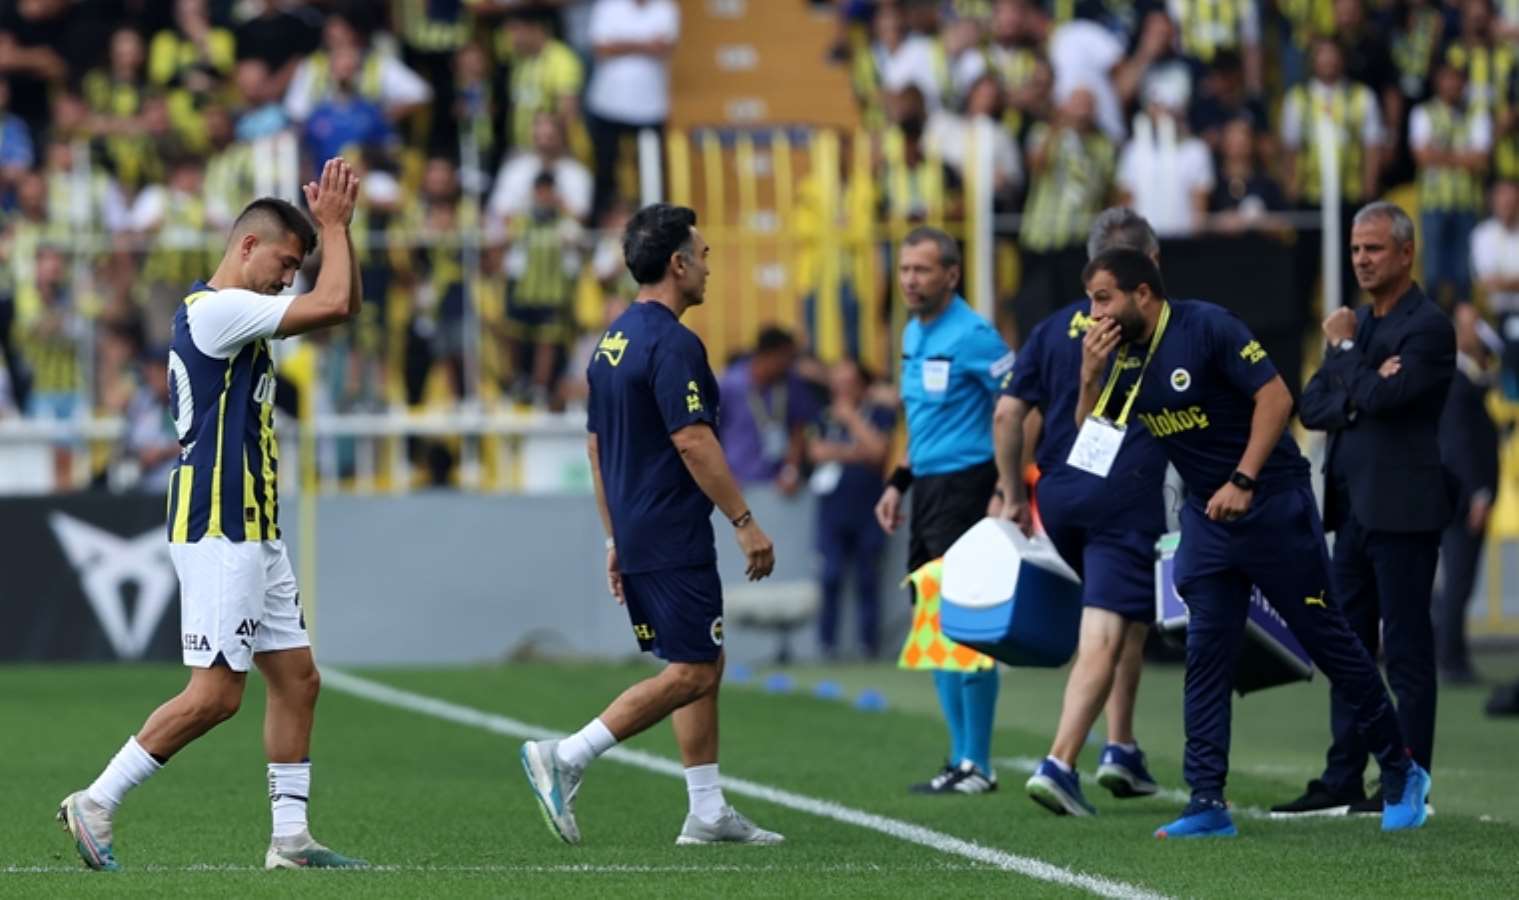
x=1318, y=800
x=942, y=783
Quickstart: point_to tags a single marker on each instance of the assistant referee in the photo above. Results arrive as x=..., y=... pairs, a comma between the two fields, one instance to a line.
x=952, y=366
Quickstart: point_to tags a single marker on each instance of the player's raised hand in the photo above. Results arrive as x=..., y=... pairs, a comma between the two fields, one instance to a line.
x=333, y=196
x=759, y=552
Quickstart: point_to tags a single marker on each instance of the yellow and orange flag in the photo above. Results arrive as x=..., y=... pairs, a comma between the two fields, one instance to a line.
x=927, y=648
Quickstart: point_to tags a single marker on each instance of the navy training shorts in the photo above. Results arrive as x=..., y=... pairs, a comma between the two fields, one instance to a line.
x=676, y=613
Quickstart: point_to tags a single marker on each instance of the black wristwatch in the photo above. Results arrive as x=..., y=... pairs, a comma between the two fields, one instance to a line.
x=1242, y=481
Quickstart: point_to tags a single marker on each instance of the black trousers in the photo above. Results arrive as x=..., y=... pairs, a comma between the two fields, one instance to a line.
x=606, y=143
x=1460, y=555
x=1387, y=578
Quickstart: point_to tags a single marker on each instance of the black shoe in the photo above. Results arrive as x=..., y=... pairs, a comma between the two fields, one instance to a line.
x=1371, y=806
x=1504, y=701
x=1318, y=800
x=942, y=783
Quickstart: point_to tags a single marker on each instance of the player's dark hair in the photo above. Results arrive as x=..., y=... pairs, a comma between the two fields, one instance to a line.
x=274, y=214
x=1129, y=268
x=949, y=251
x=773, y=338
x=654, y=234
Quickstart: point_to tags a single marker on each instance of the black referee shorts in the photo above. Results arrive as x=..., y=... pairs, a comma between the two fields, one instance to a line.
x=945, y=507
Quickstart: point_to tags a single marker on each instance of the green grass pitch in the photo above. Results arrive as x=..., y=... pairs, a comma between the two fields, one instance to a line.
x=443, y=809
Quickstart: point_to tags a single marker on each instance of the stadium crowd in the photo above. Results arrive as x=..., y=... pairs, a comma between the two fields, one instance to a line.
x=487, y=133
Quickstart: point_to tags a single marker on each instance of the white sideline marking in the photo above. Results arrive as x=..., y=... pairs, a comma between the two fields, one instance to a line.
x=569, y=869
x=1024, y=865
x=1028, y=764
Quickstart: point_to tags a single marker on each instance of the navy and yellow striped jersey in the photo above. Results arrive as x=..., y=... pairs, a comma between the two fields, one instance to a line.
x=221, y=392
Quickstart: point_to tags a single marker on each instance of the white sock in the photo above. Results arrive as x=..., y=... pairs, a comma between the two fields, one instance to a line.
x=1059, y=764
x=289, y=792
x=130, y=767
x=577, y=750
x=1127, y=748
x=706, y=793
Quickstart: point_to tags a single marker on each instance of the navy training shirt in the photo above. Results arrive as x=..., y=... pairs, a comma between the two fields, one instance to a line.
x=649, y=378
x=1047, y=375
x=1198, y=397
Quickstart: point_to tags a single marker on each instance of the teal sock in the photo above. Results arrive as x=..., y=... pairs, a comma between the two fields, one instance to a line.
x=952, y=702
x=979, y=690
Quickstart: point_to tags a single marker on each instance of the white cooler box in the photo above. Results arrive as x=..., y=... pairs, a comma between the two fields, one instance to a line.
x=1010, y=597
x=1270, y=654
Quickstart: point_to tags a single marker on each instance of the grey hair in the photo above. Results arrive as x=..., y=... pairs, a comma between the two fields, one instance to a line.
x=949, y=251
x=1120, y=227
x=1402, y=225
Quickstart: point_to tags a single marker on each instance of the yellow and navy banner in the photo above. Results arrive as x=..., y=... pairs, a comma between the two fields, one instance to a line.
x=927, y=648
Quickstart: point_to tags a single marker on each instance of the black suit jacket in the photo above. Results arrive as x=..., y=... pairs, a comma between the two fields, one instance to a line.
x=1469, y=438
x=1384, y=432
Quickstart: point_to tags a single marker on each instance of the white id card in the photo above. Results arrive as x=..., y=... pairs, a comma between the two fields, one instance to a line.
x=775, y=440
x=1096, y=447
x=935, y=376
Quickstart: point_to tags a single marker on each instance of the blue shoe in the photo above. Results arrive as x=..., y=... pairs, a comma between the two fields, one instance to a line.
x=1201, y=819
x=1409, y=811
x=1124, y=774
x=1058, y=791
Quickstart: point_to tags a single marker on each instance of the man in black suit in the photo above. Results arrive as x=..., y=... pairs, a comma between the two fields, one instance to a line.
x=1469, y=447
x=1379, y=394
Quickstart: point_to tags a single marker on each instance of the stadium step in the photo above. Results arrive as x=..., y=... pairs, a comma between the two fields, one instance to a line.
x=748, y=62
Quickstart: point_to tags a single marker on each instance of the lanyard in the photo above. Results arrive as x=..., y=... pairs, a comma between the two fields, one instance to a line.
x=1107, y=392
x=779, y=395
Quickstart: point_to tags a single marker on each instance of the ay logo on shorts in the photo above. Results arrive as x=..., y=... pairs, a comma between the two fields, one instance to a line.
x=717, y=631
x=1181, y=379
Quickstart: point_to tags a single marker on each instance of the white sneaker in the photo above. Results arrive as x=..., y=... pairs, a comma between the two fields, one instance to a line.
x=554, y=784
x=303, y=852
x=90, y=826
x=730, y=828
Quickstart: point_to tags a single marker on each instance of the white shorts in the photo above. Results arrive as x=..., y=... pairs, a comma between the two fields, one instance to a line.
x=236, y=599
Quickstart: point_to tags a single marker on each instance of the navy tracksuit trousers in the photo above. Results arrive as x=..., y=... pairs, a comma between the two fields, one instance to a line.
x=1278, y=546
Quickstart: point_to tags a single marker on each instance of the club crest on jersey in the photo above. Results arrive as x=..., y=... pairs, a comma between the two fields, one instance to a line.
x=612, y=347
x=1181, y=379
x=716, y=631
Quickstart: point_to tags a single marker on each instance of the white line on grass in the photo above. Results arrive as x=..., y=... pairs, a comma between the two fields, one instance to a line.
x=1027, y=765
x=1024, y=865
x=573, y=869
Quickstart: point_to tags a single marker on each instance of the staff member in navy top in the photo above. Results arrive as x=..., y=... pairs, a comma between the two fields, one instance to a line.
x=952, y=364
x=1105, y=529
x=1384, y=383
x=658, y=469
x=1220, y=410
x=848, y=449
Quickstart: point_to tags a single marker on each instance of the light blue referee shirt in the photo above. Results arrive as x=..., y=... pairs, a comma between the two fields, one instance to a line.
x=952, y=369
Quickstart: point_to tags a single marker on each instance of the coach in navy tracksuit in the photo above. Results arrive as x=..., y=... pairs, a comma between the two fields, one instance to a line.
x=1215, y=401
x=1379, y=394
